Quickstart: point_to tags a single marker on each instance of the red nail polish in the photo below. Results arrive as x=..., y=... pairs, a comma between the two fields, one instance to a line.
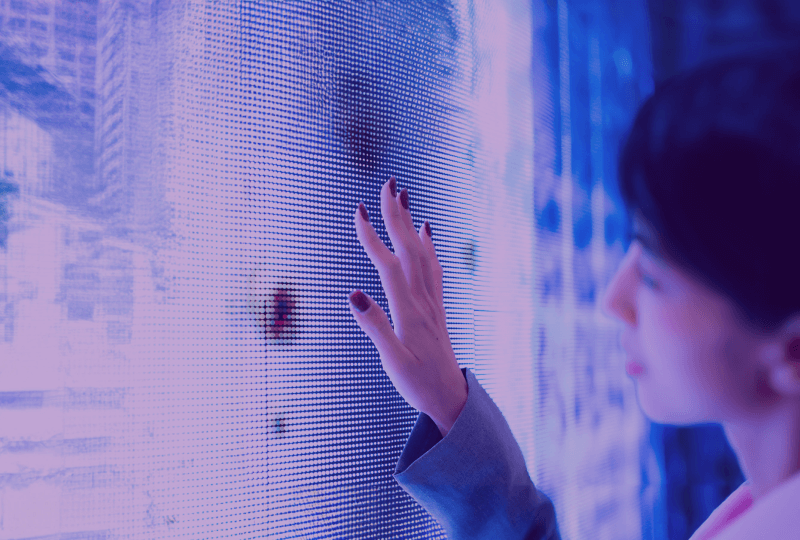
x=794, y=348
x=404, y=198
x=363, y=210
x=360, y=301
x=393, y=186
x=428, y=229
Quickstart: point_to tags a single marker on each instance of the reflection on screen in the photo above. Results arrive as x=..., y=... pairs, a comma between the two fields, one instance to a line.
x=179, y=183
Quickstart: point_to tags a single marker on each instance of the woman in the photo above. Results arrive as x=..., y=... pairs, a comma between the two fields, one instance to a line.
x=708, y=294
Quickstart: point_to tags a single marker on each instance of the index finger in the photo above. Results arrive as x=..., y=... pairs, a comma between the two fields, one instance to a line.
x=387, y=263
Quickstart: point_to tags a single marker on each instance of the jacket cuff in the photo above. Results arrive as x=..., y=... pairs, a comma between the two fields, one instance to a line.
x=474, y=481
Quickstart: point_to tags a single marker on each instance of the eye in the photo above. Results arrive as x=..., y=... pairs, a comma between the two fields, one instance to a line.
x=647, y=280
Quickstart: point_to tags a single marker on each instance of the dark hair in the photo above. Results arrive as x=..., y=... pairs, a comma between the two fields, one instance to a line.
x=712, y=165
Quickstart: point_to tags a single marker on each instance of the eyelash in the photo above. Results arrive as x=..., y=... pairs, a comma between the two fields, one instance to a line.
x=647, y=278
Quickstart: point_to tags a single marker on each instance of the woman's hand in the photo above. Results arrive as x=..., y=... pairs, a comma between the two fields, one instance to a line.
x=416, y=354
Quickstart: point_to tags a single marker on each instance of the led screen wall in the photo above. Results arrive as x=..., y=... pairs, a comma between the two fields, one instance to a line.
x=179, y=186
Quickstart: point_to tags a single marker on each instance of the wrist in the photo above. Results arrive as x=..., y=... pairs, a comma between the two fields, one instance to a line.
x=445, y=422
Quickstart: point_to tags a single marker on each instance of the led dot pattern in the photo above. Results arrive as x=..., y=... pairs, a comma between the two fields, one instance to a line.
x=178, y=356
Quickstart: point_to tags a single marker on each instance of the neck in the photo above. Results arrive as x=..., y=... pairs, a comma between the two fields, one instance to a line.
x=768, y=449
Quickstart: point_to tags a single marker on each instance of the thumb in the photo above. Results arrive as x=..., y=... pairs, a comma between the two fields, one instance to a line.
x=373, y=321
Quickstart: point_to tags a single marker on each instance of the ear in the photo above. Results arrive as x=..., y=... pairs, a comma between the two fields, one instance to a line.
x=782, y=358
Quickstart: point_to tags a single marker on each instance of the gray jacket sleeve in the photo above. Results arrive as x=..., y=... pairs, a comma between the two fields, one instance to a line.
x=474, y=481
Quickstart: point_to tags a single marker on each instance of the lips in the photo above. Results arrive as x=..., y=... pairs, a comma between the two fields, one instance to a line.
x=634, y=368
x=630, y=359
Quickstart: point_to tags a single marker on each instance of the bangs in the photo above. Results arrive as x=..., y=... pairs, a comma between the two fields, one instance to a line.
x=712, y=165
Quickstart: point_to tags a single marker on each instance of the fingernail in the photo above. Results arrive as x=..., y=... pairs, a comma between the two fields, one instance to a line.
x=393, y=186
x=404, y=198
x=359, y=301
x=428, y=229
x=794, y=348
x=363, y=210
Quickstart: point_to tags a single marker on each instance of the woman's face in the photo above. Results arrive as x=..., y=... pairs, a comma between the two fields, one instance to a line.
x=698, y=360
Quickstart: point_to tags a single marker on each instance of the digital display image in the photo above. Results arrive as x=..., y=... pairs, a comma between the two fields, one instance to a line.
x=179, y=180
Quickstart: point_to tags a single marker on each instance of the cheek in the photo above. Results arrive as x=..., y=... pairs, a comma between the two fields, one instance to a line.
x=666, y=347
x=684, y=383
x=667, y=336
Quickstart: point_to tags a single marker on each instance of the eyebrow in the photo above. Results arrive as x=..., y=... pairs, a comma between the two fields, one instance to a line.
x=646, y=241
x=644, y=234
x=650, y=246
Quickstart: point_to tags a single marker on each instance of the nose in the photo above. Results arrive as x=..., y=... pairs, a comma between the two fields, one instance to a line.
x=618, y=300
